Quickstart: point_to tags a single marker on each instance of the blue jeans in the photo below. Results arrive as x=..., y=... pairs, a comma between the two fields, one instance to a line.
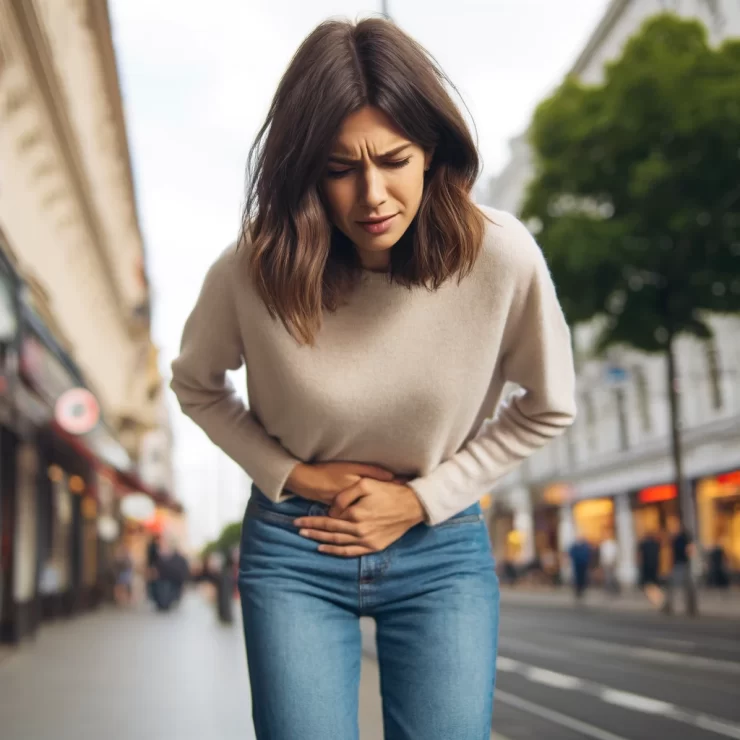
x=435, y=599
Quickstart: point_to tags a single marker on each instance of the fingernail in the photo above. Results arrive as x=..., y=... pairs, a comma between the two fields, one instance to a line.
x=298, y=522
x=303, y=532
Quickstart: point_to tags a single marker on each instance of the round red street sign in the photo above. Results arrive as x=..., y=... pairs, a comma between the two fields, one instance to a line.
x=77, y=411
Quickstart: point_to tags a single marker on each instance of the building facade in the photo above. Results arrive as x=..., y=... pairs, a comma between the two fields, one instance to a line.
x=613, y=471
x=74, y=312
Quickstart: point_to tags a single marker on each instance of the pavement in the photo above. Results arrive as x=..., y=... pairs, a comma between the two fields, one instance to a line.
x=139, y=675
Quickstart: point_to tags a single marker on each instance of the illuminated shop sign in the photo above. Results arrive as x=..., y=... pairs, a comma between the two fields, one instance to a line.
x=656, y=494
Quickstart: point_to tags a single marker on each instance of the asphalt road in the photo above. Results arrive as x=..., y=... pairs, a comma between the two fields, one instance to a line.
x=569, y=674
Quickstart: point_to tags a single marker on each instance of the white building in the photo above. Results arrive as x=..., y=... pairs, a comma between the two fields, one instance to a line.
x=614, y=468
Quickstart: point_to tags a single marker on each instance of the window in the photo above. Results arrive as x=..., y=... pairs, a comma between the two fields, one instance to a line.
x=590, y=412
x=643, y=397
x=715, y=374
x=621, y=407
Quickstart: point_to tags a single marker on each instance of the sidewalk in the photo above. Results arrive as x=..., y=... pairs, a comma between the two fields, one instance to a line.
x=711, y=604
x=139, y=675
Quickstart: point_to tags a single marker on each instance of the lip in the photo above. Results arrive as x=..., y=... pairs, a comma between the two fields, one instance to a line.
x=377, y=225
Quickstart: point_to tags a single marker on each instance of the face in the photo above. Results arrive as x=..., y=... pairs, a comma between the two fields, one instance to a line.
x=373, y=184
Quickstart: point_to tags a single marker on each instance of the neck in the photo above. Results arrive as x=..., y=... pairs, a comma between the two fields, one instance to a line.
x=375, y=261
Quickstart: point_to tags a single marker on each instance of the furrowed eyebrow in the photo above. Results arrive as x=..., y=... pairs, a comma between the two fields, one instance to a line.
x=338, y=159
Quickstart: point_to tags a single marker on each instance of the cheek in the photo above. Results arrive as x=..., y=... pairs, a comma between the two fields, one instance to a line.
x=411, y=187
x=339, y=199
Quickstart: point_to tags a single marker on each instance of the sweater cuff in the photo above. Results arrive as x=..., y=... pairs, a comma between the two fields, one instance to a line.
x=273, y=475
x=431, y=493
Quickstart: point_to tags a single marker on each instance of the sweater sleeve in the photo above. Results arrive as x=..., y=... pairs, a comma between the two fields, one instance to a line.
x=211, y=345
x=536, y=355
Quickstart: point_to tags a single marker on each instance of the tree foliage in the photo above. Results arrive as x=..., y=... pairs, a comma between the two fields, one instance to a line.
x=228, y=539
x=637, y=187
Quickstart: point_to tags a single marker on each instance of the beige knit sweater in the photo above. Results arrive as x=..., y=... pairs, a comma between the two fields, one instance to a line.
x=408, y=380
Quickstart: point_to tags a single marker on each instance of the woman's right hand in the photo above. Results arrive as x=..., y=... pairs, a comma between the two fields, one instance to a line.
x=323, y=482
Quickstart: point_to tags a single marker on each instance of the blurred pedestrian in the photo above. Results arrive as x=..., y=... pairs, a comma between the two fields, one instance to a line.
x=124, y=576
x=717, y=573
x=683, y=551
x=609, y=560
x=152, y=563
x=580, y=558
x=380, y=313
x=648, y=557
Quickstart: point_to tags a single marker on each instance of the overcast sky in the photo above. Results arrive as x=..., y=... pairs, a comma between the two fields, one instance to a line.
x=197, y=80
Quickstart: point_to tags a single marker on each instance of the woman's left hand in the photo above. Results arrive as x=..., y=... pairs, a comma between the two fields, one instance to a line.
x=366, y=518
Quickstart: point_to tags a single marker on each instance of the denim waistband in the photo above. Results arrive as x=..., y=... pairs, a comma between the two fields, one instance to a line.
x=298, y=506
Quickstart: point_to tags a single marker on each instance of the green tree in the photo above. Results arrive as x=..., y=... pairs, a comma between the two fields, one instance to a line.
x=228, y=539
x=637, y=195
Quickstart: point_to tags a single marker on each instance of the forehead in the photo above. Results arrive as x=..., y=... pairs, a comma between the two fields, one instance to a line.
x=368, y=128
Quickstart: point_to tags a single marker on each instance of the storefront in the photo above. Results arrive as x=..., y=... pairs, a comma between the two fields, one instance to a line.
x=594, y=519
x=718, y=510
x=656, y=511
x=9, y=433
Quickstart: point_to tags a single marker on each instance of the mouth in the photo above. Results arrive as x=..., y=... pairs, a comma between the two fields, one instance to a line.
x=377, y=225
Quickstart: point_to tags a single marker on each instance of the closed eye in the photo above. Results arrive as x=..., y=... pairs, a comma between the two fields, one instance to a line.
x=392, y=164
x=336, y=174
x=398, y=164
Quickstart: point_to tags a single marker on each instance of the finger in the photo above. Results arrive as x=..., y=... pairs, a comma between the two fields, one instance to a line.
x=333, y=538
x=346, y=499
x=371, y=471
x=327, y=524
x=351, y=551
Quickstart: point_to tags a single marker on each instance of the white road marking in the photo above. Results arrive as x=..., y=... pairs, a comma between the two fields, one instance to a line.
x=550, y=678
x=653, y=655
x=639, y=703
x=718, y=726
x=623, y=699
x=507, y=664
x=595, y=733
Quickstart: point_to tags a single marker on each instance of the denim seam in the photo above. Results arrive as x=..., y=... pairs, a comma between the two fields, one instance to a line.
x=470, y=519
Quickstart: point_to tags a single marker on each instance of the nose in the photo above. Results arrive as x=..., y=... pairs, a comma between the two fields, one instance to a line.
x=373, y=188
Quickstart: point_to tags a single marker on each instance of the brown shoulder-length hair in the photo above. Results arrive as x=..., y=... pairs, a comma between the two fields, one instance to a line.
x=303, y=265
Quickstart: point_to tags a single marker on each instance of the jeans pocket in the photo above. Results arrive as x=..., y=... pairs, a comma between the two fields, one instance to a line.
x=283, y=513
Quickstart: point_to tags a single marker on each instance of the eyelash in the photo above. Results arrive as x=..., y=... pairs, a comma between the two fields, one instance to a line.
x=337, y=174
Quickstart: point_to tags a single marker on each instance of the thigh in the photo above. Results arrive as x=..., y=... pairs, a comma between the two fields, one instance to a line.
x=303, y=644
x=437, y=639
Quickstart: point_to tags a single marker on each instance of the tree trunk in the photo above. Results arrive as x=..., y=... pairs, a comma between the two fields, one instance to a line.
x=685, y=501
x=685, y=498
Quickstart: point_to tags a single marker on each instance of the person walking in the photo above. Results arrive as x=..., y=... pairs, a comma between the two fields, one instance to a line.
x=379, y=313
x=580, y=558
x=683, y=550
x=648, y=556
x=609, y=560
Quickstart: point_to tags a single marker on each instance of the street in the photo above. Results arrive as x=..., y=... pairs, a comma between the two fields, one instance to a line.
x=567, y=674
x=564, y=674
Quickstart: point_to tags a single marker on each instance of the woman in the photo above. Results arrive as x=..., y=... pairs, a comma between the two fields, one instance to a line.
x=379, y=313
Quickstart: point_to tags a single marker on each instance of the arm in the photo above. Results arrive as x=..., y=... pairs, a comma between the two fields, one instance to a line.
x=211, y=345
x=536, y=355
